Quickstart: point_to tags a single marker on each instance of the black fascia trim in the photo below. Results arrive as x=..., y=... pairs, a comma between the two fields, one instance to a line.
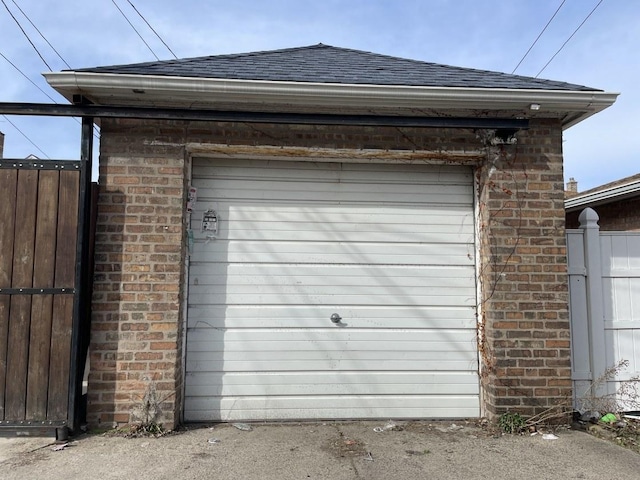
x=112, y=111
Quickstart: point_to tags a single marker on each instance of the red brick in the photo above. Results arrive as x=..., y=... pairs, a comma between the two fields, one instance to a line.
x=520, y=207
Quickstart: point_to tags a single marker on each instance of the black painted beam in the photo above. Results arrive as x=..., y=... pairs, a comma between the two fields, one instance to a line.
x=108, y=111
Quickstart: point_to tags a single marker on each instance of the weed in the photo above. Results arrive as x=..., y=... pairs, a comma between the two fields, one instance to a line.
x=626, y=397
x=146, y=414
x=511, y=422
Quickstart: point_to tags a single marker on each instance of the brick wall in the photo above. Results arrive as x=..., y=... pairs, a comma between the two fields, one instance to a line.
x=623, y=215
x=140, y=248
x=523, y=272
x=136, y=320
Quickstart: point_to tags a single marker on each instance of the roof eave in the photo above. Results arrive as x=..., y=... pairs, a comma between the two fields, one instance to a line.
x=155, y=90
x=601, y=197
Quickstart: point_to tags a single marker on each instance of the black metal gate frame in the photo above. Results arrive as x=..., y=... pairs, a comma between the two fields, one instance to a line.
x=82, y=107
x=81, y=289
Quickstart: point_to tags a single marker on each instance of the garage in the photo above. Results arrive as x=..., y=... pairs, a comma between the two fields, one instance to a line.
x=326, y=290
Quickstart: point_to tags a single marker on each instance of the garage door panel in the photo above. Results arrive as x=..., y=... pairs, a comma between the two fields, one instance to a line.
x=330, y=383
x=278, y=274
x=338, y=358
x=335, y=407
x=326, y=224
x=308, y=188
x=319, y=299
x=347, y=364
x=379, y=236
x=317, y=212
x=302, y=388
x=340, y=196
x=332, y=253
x=331, y=172
x=390, y=248
x=328, y=332
x=234, y=350
x=341, y=402
x=330, y=379
x=332, y=359
x=312, y=316
x=343, y=288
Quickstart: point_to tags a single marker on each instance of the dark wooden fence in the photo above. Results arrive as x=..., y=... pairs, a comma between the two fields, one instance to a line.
x=42, y=209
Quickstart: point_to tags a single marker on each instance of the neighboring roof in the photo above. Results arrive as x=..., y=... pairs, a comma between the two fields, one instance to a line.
x=610, y=192
x=326, y=79
x=326, y=64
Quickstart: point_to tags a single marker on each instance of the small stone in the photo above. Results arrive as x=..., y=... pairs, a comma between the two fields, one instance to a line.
x=590, y=416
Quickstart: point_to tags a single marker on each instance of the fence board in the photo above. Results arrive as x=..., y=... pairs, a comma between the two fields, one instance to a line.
x=8, y=185
x=20, y=308
x=604, y=268
x=62, y=321
x=41, y=309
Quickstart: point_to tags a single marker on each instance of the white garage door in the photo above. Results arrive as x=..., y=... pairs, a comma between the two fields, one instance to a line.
x=389, y=249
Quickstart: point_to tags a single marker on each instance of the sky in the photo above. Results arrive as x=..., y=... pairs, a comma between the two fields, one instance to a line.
x=483, y=34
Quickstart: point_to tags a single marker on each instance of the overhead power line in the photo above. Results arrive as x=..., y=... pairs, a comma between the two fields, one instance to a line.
x=538, y=37
x=26, y=36
x=24, y=135
x=25, y=76
x=134, y=29
x=152, y=29
x=41, y=34
x=570, y=37
x=96, y=131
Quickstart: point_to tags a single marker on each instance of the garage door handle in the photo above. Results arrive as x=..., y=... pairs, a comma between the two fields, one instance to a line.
x=335, y=318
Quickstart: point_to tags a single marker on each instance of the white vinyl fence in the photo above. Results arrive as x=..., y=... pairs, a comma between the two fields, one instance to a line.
x=604, y=288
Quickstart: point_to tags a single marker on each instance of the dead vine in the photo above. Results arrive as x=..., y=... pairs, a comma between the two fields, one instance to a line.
x=501, y=160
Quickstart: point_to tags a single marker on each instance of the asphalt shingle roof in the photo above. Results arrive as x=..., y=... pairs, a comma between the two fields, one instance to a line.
x=326, y=64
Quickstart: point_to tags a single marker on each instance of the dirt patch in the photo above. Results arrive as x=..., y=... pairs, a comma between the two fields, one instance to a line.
x=24, y=459
x=152, y=430
x=625, y=434
x=451, y=430
x=345, y=446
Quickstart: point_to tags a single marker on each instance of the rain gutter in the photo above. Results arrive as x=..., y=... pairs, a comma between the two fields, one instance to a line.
x=155, y=90
x=600, y=197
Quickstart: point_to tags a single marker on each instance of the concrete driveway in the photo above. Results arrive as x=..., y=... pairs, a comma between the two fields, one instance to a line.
x=353, y=450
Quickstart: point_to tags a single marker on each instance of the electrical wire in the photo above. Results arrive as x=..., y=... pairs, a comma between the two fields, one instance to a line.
x=134, y=29
x=25, y=76
x=26, y=36
x=95, y=128
x=96, y=131
x=152, y=29
x=538, y=37
x=41, y=34
x=567, y=41
x=25, y=136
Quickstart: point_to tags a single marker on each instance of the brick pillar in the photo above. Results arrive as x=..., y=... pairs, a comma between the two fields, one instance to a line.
x=139, y=268
x=526, y=355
